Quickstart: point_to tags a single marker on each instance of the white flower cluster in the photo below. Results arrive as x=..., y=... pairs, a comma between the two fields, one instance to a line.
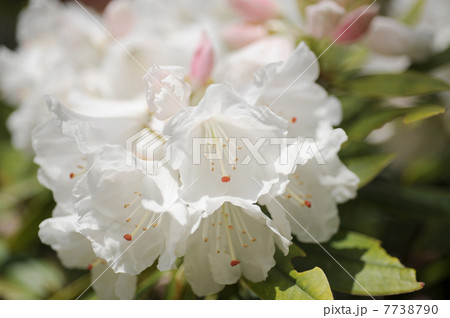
x=225, y=118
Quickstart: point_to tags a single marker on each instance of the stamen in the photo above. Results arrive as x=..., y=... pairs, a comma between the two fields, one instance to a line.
x=241, y=221
x=217, y=233
x=226, y=179
x=95, y=263
x=239, y=229
x=129, y=237
x=211, y=134
x=205, y=231
x=234, y=260
x=135, y=208
x=293, y=120
x=297, y=197
x=73, y=174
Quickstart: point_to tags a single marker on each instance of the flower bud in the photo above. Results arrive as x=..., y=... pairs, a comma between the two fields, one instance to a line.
x=354, y=24
x=255, y=10
x=167, y=91
x=322, y=18
x=202, y=62
x=240, y=34
x=119, y=18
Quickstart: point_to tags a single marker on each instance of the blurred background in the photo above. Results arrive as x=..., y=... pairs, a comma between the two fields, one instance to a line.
x=407, y=207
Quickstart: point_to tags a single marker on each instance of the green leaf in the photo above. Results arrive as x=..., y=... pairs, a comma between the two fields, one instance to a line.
x=393, y=85
x=40, y=277
x=423, y=112
x=353, y=105
x=74, y=289
x=428, y=168
x=413, y=14
x=147, y=280
x=362, y=127
x=369, y=270
x=420, y=203
x=310, y=285
x=370, y=166
x=38, y=209
x=434, y=61
x=284, y=282
x=337, y=62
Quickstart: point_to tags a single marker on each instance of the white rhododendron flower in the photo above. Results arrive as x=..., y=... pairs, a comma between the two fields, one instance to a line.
x=63, y=157
x=167, y=92
x=311, y=113
x=238, y=67
x=61, y=232
x=235, y=240
x=290, y=90
x=230, y=128
x=119, y=204
x=310, y=199
x=163, y=146
x=61, y=42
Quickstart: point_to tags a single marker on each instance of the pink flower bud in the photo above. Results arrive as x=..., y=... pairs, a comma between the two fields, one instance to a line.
x=240, y=34
x=255, y=10
x=322, y=18
x=354, y=24
x=119, y=18
x=202, y=62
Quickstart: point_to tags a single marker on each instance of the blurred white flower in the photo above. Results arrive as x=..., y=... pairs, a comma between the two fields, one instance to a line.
x=167, y=92
x=388, y=36
x=61, y=46
x=328, y=19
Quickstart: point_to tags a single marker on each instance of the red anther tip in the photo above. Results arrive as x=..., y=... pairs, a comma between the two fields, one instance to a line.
x=293, y=120
x=421, y=284
x=128, y=237
x=72, y=175
x=235, y=262
x=226, y=179
x=308, y=204
x=90, y=267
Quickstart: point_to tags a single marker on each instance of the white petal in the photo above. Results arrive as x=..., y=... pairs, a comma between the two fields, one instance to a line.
x=109, y=285
x=61, y=233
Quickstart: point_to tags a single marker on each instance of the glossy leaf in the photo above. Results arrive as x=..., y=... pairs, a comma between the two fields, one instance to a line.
x=363, y=126
x=423, y=112
x=393, y=85
x=74, y=289
x=284, y=282
x=310, y=285
x=369, y=270
x=370, y=166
